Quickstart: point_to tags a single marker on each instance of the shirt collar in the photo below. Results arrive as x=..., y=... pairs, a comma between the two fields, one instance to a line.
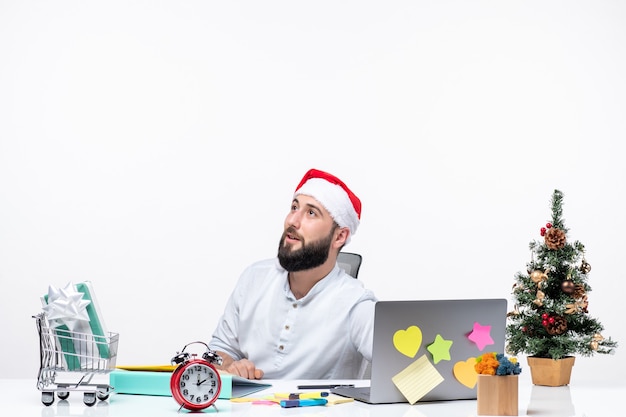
x=317, y=288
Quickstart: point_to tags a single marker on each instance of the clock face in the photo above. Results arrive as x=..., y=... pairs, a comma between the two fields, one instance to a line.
x=195, y=385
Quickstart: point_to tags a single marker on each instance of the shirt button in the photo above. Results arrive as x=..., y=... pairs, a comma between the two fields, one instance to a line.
x=295, y=305
x=281, y=347
x=286, y=327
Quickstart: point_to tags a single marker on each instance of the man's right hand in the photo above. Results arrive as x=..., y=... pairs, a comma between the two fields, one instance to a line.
x=245, y=369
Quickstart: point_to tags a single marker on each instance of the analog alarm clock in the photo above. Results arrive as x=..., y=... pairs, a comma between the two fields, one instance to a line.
x=195, y=382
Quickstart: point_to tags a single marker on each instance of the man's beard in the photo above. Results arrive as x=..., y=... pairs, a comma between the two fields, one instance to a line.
x=309, y=256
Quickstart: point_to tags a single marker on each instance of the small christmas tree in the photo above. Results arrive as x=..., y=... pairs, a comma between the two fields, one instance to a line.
x=551, y=315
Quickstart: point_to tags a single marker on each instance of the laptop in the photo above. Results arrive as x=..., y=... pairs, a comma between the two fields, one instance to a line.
x=453, y=333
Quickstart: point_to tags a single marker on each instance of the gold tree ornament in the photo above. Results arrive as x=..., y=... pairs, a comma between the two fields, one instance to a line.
x=571, y=308
x=515, y=311
x=540, y=278
x=585, y=268
x=595, y=341
x=568, y=287
x=577, y=306
x=555, y=238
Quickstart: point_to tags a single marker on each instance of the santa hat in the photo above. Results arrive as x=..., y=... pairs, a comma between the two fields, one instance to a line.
x=342, y=204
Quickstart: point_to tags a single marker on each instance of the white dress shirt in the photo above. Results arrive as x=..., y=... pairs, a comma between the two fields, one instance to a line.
x=324, y=335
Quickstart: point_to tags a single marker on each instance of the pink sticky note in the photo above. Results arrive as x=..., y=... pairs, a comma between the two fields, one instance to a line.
x=481, y=335
x=263, y=402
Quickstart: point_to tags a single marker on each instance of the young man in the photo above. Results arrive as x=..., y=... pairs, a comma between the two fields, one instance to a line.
x=299, y=316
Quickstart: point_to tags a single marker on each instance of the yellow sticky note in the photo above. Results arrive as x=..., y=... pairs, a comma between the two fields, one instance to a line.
x=408, y=341
x=417, y=379
x=337, y=399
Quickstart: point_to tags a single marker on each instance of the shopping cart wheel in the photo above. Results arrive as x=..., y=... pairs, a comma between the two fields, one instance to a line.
x=103, y=392
x=89, y=398
x=63, y=395
x=47, y=397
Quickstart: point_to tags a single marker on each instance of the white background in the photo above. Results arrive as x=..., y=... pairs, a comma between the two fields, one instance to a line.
x=152, y=147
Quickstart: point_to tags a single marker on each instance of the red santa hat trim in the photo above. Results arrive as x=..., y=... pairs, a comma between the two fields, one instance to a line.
x=342, y=204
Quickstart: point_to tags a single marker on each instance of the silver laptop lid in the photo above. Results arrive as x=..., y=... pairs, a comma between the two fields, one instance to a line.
x=457, y=331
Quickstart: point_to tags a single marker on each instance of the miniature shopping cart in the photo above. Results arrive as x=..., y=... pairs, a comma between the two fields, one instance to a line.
x=73, y=361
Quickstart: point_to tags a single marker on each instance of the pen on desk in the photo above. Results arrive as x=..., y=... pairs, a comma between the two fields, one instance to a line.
x=324, y=386
x=301, y=395
x=303, y=403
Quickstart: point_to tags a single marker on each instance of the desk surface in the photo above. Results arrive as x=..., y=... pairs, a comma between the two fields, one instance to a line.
x=20, y=397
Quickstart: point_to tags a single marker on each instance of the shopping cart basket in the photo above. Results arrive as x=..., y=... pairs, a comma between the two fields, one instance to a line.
x=71, y=360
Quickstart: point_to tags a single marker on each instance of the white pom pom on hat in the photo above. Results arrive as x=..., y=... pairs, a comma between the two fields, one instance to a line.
x=342, y=204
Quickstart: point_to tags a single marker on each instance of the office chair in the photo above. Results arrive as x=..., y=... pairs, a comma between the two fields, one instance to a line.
x=350, y=262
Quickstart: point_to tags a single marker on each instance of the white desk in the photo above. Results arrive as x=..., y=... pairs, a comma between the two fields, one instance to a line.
x=20, y=397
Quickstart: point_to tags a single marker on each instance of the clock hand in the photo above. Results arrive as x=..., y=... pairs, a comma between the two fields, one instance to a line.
x=202, y=382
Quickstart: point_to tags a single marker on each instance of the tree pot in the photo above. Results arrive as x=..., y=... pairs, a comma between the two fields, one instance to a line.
x=551, y=372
